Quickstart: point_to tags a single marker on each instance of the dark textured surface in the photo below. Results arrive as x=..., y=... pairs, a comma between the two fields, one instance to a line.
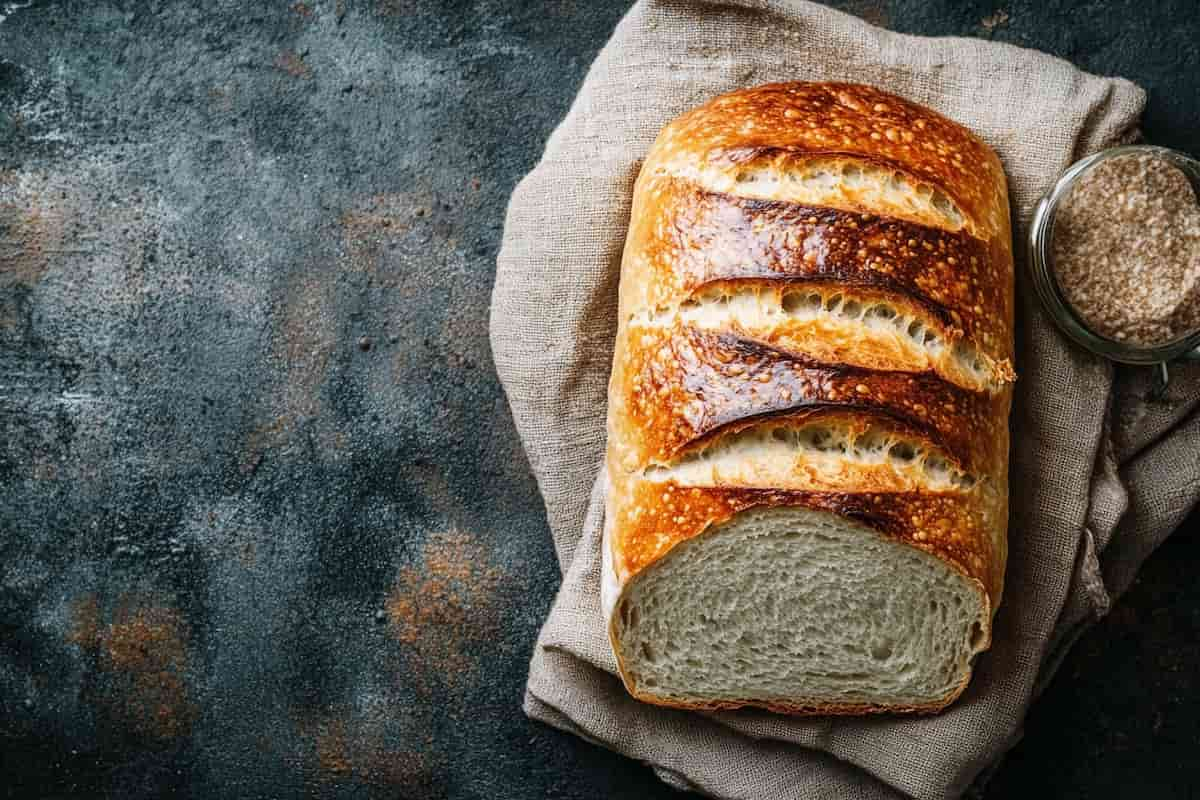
x=265, y=526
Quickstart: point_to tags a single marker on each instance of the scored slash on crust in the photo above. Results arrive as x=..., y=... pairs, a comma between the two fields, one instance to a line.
x=812, y=318
x=816, y=452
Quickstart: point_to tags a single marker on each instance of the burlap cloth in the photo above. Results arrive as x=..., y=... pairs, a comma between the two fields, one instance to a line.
x=1100, y=475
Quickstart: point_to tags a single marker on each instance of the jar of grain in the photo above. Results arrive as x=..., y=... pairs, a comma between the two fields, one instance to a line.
x=1115, y=254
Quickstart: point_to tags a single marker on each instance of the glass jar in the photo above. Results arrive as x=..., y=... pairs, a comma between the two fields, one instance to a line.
x=1041, y=235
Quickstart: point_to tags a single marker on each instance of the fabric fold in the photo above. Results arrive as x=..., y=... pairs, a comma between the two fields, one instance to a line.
x=1099, y=474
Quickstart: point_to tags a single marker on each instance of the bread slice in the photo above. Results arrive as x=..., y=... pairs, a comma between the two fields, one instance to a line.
x=798, y=610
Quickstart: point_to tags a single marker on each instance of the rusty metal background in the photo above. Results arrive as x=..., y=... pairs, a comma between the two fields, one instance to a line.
x=265, y=527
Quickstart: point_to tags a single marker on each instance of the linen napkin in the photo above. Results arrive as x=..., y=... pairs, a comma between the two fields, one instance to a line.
x=1100, y=475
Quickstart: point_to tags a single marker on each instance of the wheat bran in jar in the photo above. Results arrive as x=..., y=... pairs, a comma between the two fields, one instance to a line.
x=1126, y=250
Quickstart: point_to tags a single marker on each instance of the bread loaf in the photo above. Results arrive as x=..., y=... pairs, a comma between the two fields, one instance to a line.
x=808, y=410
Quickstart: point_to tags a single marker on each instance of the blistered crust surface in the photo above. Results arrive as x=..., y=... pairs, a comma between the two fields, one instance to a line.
x=673, y=386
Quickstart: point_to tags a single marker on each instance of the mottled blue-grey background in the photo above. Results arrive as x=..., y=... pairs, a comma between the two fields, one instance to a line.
x=265, y=526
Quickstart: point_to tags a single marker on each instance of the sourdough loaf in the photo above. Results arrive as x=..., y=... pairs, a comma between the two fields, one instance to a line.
x=807, y=423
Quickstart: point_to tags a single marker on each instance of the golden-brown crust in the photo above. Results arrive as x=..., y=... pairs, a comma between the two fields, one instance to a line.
x=805, y=119
x=674, y=383
x=672, y=386
x=689, y=238
x=839, y=324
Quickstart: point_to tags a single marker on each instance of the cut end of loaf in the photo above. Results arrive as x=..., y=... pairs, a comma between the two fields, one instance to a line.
x=799, y=610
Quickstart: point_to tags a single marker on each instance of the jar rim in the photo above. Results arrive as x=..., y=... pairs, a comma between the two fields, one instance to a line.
x=1041, y=232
